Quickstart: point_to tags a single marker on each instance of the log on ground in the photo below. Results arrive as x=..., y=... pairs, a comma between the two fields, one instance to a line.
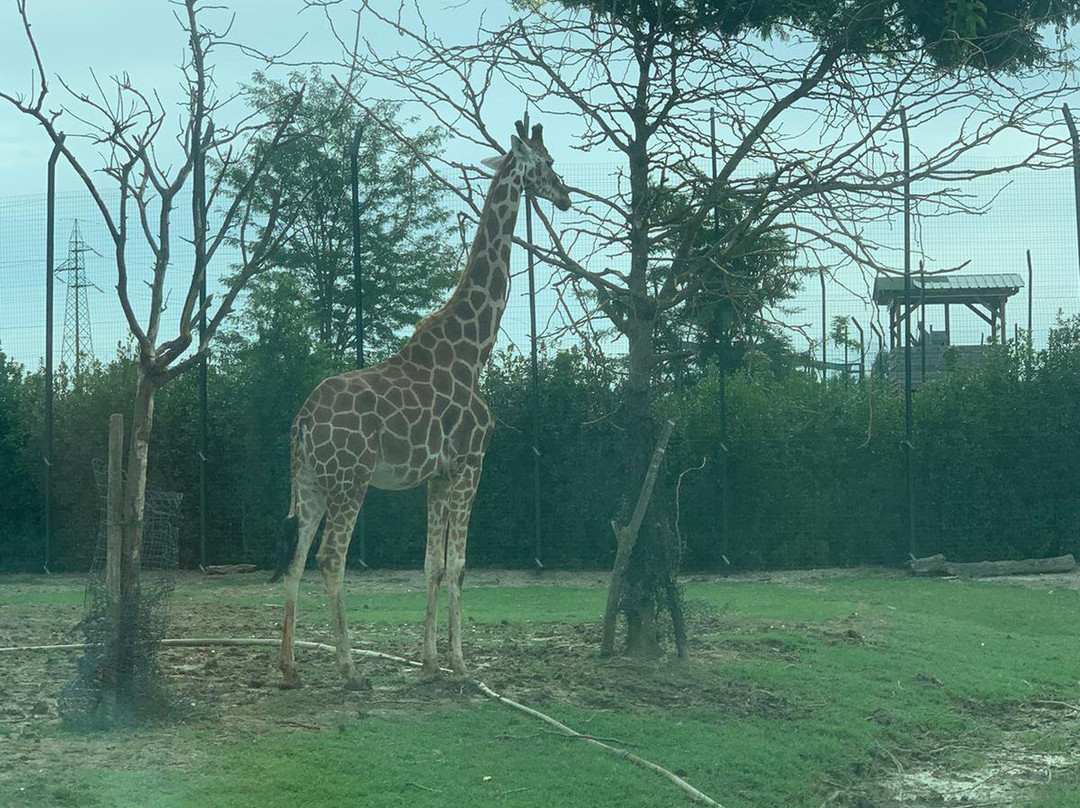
x=937, y=564
x=229, y=569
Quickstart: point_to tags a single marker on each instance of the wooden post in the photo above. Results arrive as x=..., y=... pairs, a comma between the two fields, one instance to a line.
x=113, y=504
x=114, y=547
x=626, y=537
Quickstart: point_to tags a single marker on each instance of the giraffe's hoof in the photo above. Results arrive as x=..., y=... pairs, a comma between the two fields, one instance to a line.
x=357, y=682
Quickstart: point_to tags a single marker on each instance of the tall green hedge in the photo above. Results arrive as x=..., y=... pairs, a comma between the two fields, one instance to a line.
x=815, y=470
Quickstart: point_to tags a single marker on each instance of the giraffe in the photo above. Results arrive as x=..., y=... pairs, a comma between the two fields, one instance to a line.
x=416, y=417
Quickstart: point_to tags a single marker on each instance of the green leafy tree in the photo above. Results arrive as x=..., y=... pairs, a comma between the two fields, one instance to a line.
x=722, y=321
x=406, y=254
x=20, y=504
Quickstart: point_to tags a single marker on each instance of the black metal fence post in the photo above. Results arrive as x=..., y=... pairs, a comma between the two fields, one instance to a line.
x=358, y=269
x=862, y=349
x=905, y=320
x=535, y=392
x=1031, y=297
x=534, y=370
x=198, y=207
x=1074, y=136
x=824, y=329
x=922, y=321
x=725, y=497
x=50, y=258
x=358, y=297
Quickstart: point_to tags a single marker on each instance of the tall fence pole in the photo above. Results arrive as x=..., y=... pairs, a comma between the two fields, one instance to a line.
x=906, y=323
x=50, y=258
x=1074, y=136
x=535, y=391
x=824, y=328
x=922, y=321
x=358, y=268
x=534, y=369
x=1031, y=298
x=358, y=295
x=725, y=493
x=862, y=349
x=198, y=206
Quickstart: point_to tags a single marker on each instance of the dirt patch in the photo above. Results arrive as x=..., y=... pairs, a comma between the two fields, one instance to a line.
x=397, y=581
x=234, y=690
x=1038, y=742
x=802, y=579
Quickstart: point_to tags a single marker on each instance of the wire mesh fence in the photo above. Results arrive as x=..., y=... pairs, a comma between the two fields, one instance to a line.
x=809, y=470
x=90, y=700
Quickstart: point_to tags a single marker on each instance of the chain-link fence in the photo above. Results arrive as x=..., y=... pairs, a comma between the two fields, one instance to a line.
x=808, y=467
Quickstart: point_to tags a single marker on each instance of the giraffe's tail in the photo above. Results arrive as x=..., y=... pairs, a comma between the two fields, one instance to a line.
x=289, y=536
x=288, y=539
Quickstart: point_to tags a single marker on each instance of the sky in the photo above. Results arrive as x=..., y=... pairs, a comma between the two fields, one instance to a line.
x=141, y=38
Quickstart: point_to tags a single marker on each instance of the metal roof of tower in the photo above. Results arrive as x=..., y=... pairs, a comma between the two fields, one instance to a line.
x=947, y=288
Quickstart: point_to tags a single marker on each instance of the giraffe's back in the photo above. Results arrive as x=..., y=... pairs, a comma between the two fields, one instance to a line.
x=398, y=421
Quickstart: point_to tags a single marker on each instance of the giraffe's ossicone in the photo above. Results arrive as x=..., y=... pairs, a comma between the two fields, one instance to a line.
x=416, y=417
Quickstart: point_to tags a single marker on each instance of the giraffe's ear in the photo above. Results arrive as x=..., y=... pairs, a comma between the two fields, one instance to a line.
x=496, y=162
x=518, y=145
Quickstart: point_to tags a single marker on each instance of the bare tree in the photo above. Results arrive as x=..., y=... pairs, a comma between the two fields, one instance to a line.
x=806, y=99
x=142, y=173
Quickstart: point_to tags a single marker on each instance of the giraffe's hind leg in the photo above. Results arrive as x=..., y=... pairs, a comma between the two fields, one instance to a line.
x=308, y=513
x=434, y=564
x=341, y=516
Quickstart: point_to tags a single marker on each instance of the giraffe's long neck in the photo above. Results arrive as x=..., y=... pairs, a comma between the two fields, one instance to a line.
x=470, y=319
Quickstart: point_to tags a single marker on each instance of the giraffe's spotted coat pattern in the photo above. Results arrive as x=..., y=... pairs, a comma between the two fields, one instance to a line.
x=416, y=417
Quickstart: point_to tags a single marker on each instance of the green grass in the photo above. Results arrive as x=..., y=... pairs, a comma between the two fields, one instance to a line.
x=854, y=666
x=478, y=757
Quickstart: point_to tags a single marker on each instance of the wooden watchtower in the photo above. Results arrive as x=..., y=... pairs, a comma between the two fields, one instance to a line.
x=985, y=295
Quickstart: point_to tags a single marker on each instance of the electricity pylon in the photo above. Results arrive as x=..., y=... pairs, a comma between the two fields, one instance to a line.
x=78, y=345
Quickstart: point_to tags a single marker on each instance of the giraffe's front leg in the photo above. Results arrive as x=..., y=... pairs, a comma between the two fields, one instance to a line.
x=434, y=563
x=455, y=576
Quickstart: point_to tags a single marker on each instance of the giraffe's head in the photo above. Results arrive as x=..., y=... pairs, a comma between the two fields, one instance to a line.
x=534, y=164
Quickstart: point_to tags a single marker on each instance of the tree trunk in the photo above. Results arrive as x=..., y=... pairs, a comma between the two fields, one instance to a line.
x=644, y=592
x=134, y=501
x=135, y=476
x=626, y=536
x=642, y=633
x=644, y=584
